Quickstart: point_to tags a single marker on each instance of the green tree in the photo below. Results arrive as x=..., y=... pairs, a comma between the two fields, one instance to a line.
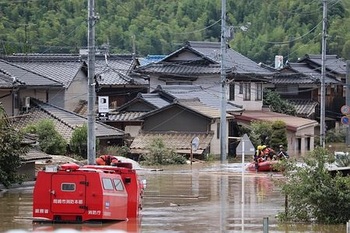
x=277, y=104
x=11, y=150
x=260, y=132
x=279, y=135
x=50, y=141
x=160, y=154
x=314, y=194
x=78, y=141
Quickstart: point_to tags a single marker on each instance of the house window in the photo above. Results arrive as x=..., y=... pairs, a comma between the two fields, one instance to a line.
x=287, y=89
x=259, y=92
x=178, y=83
x=232, y=91
x=246, y=91
x=240, y=88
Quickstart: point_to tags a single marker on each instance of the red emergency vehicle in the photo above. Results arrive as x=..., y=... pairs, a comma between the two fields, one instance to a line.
x=77, y=194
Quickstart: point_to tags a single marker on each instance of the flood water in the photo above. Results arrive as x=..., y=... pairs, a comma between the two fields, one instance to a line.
x=197, y=198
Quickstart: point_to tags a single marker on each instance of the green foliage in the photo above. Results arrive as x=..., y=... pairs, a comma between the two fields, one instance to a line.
x=160, y=154
x=10, y=151
x=336, y=135
x=279, y=135
x=313, y=193
x=78, y=141
x=50, y=141
x=117, y=151
x=287, y=28
x=260, y=133
x=273, y=99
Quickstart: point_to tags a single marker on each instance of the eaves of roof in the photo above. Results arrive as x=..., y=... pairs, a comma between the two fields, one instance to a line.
x=181, y=106
x=241, y=64
x=180, y=141
x=179, y=69
x=333, y=63
x=304, y=108
x=125, y=116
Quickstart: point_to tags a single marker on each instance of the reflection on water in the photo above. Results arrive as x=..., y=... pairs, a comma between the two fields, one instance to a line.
x=201, y=198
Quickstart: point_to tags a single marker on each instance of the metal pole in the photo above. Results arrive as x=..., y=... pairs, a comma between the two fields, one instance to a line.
x=323, y=74
x=348, y=97
x=91, y=83
x=223, y=136
x=266, y=225
x=243, y=191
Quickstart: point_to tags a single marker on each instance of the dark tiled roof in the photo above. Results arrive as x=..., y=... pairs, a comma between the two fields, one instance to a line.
x=209, y=97
x=304, y=108
x=26, y=76
x=59, y=67
x=65, y=121
x=179, y=69
x=333, y=63
x=242, y=64
x=116, y=70
x=180, y=141
x=155, y=99
x=301, y=73
x=6, y=81
x=35, y=154
x=207, y=53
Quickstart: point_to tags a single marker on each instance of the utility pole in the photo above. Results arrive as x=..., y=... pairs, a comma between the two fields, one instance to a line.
x=347, y=102
x=91, y=83
x=223, y=127
x=323, y=75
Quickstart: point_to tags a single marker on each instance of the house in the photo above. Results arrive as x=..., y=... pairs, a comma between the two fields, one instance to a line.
x=18, y=84
x=131, y=116
x=300, y=83
x=199, y=63
x=113, y=72
x=116, y=80
x=300, y=131
x=66, y=122
x=185, y=120
x=65, y=70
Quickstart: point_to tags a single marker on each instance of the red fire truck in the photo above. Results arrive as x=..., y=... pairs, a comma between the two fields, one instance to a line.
x=77, y=194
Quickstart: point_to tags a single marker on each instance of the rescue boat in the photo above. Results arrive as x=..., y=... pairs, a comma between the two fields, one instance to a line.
x=70, y=193
x=263, y=166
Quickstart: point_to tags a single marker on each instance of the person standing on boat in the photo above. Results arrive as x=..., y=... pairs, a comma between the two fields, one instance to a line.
x=106, y=160
x=282, y=154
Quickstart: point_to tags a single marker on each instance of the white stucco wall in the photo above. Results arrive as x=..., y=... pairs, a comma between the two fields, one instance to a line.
x=76, y=91
x=133, y=130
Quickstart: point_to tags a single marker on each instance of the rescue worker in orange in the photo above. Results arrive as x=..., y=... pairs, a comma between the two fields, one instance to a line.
x=106, y=160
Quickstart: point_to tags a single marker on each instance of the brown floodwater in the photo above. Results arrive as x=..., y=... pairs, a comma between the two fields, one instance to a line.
x=197, y=198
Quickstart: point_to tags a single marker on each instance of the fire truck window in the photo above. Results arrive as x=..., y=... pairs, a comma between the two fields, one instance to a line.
x=118, y=185
x=107, y=184
x=68, y=187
